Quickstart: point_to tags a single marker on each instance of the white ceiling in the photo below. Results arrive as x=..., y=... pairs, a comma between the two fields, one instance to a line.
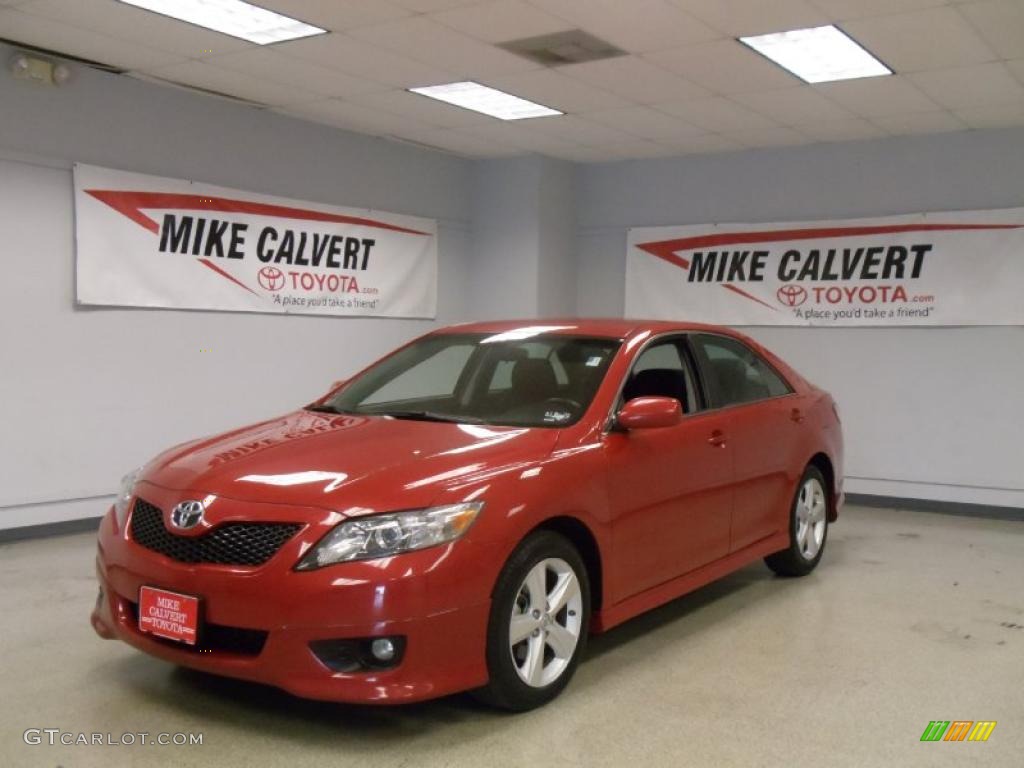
x=686, y=86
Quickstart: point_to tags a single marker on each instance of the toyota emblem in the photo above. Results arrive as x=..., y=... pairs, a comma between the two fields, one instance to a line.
x=792, y=295
x=188, y=514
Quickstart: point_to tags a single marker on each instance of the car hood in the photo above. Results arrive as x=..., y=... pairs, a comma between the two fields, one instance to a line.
x=350, y=464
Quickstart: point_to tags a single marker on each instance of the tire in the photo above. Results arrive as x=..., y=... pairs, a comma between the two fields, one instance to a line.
x=808, y=527
x=531, y=671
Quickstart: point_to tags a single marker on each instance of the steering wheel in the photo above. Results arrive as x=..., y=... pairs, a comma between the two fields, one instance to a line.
x=570, y=403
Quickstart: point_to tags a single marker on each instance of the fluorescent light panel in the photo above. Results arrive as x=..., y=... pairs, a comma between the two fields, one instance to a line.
x=489, y=101
x=232, y=17
x=818, y=54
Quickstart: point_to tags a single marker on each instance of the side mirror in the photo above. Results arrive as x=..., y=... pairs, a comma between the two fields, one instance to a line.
x=650, y=413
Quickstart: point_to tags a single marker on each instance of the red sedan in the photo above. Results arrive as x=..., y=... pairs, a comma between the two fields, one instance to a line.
x=461, y=514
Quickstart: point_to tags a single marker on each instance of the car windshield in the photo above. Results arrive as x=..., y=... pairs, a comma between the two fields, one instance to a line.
x=544, y=380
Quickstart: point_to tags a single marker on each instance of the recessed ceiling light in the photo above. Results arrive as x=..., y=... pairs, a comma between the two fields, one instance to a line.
x=489, y=101
x=818, y=54
x=232, y=17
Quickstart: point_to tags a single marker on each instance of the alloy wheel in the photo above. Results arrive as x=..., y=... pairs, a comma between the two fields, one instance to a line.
x=810, y=518
x=546, y=622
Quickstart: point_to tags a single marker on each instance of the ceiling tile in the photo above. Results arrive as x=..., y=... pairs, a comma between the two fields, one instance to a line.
x=757, y=17
x=276, y=67
x=583, y=154
x=702, y=144
x=421, y=108
x=724, y=67
x=1000, y=23
x=574, y=128
x=429, y=6
x=361, y=59
x=501, y=21
x=635, y=79
x=920, y=122
x=635, y=26
x=933, y=38
x=435, y=44
x=876, y=96
x=138, y=26
x=993, y=115
x=842, y=10
x=355, y=117
x=794, y=106
x=1016, y=68
x=516, y=134
x=854, y=129
x=645, y=123
x=970, y=86
x=553, y=89
x=717, y=114
x=636, y=149
x=337, y=15
x=456, y=142
x=83, y=43
x=203, y=75
x=774, y=137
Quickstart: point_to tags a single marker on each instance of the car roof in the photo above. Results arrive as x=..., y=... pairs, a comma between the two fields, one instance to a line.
x=610, y=327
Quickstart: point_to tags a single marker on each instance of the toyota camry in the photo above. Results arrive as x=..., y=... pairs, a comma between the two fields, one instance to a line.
x=464, y=512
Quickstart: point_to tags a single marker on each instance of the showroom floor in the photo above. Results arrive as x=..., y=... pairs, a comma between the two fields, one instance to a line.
x=912, y=617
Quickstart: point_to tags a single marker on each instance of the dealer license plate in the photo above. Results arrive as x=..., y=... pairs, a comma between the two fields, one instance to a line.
x=168, y=614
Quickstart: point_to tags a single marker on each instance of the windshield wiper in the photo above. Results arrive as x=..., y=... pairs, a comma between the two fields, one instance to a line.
x=324, y=408
x=429, y=416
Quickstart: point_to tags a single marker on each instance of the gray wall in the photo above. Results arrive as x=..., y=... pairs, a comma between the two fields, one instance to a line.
x=929, y=413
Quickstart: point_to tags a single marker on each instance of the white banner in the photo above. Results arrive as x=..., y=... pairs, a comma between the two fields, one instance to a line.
x=962, y=268
x=147, y=241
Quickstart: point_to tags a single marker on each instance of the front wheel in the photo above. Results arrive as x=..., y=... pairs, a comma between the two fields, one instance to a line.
x=808, y=527
x=538, y=624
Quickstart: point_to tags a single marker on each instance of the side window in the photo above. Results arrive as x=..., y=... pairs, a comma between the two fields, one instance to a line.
x=735, y=374
x=660, y=371
x=434, y=377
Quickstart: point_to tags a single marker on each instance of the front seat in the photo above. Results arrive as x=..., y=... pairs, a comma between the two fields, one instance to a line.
x=533, y=380
x=657, y=382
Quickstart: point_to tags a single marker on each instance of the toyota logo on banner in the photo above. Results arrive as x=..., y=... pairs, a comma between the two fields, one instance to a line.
x=791, y=295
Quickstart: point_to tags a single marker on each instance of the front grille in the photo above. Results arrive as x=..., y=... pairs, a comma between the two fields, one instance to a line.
x=228, y=544
x=214, y=638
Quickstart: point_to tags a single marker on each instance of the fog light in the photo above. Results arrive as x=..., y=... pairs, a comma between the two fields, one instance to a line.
x=383, y=649
x=352, y=655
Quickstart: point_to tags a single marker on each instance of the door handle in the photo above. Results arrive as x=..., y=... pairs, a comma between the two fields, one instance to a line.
x=717, y=439
x=796, y=415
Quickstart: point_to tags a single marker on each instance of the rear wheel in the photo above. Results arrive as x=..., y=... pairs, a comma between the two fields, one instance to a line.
x=538, y=625
x=808, y=527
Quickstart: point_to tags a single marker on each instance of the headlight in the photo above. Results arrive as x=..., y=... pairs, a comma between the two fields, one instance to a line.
x=124, y=495
x=385, y=535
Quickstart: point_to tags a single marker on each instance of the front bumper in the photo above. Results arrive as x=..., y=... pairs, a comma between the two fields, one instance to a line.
x=437, y=599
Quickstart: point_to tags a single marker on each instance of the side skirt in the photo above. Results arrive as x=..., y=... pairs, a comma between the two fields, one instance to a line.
x=670, y=590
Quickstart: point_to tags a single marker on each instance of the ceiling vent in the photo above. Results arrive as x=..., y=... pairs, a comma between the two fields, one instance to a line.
x=571, y=47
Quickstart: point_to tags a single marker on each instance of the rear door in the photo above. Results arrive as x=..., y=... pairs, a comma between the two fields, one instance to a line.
x=764, y=420
x=670, y=488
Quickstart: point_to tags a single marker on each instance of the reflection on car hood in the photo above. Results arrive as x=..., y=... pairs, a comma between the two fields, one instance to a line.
x=352, y=464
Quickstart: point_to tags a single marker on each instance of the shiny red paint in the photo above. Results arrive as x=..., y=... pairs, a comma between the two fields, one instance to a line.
x=657, y=512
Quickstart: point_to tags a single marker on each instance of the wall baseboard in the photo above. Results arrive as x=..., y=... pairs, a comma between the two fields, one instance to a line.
x=960, y=508
x=61, y=528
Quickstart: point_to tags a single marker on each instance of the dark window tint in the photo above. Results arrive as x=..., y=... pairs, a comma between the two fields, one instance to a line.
x=735, y=373
x=661, y=371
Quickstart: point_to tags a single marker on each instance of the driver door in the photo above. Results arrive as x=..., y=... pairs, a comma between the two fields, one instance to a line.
x=670, y=491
